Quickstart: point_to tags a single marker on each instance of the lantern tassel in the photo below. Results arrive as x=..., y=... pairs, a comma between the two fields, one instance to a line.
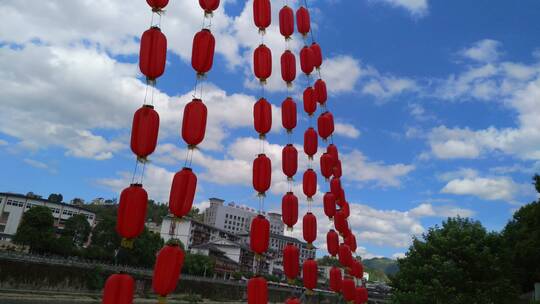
x=162, y=300
x=127, y=243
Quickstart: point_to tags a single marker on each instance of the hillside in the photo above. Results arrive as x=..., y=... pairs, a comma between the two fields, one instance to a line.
x=385, y=265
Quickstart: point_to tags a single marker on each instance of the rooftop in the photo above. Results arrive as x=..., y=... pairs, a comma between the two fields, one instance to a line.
x=18, y=195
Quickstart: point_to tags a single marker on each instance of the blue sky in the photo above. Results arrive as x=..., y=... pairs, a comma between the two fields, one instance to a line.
x=436, y=104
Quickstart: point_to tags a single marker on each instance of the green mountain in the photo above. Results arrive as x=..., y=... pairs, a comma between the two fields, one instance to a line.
x=387, y=266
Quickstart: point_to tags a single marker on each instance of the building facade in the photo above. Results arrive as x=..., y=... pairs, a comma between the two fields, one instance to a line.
x=13, y=206
x=236, y=218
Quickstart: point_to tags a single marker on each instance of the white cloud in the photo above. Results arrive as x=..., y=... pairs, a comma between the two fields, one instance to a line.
x=494, y=188
x=385, y=87
x=417, y=8
x=483, y=51
x=346, y=130
x=428, y=210
x=39, y=165
x=460, y=173
x=341, y=73
x=398, y=255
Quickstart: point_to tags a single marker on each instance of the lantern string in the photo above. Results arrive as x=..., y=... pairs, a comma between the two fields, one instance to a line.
x=134, y=171
x=142, y=173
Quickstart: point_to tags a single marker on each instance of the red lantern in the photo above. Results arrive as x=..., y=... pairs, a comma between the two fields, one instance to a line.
x=333, y=150
x=262, y=116
x=306, y=60
x=348, y=289
x=317, y=54
x=144, y=132
x=325, y=125
x=340, y=222
x=153, y=53
x=345, y=209
x=289, y=210
x=202, y=54
x=169, y=262
x=259, y=234
x=183, y=189
x=341, y=199
x=292, y=300
x=262, y=15
x=262, y=62
x=335, y=186
x=350, y=240
x=309, y=274
x=157, y=5
x=347, y=231
x=288, y=114
x=262, y=173
x=286, y=21
x=327, y=165
x=361, y=295
x=302, y=20
x=131, y=213
x=337, y=172
x=209, y=5
x=345, y=256
x=309, y=183
x=310, y=101
x=118, y=289
x=194, y=122
x=335, y=279
x=289, y=160
x=309, y=225
x=311, y=142
x=332, y=242
x=288, y=67
x=329, y=203
x=320, y=89
x=291, y=261
x=356, y=270
x=257, y=291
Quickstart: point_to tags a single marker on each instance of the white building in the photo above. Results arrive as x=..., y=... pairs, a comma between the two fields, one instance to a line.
x=13, y=206
x=236, y=218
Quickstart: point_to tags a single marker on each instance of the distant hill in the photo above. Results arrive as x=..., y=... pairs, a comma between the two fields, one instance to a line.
x=380, y=267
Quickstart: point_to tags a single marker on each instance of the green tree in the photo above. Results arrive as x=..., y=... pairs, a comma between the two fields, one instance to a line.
x=196, y=214
x=56, y=197
x=36, y=229
x=328, y=261
x=105, y=240
x=198, y=264
x=457, y=263
x=144, y=250
x=77, y=229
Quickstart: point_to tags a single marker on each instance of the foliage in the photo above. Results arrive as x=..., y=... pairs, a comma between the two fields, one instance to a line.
x=36, y=229
x=144, y=250
x=198, y=264
x=328, y=261
x=237, y=275
x=77, y=229
x=459, y=262
x=155, y=212
x=192, y=298
x=55, y=197
x=196, y=214
x=386, y=265
x=94, y=278
x=105, y=240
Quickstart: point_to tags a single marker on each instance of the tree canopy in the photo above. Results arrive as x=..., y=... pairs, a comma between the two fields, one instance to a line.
x=36, y=229
x=77, y=229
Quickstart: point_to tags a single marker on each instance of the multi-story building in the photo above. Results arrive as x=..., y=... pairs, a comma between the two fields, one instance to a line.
x=13, y=206
x=236, y=218
x=278, y=242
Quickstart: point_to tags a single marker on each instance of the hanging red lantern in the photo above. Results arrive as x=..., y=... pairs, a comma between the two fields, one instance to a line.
x=361, y=295
x=327, y=165
x=291, y=262
x=320, y=89
x=259, y=234
x=262, y=117
x=144, y=131
x=347, y=230
x=131, y=213
x=309, y=228
x=289, y=160
x=302, y=20
x=262, y=62
x=341, y=199
x=153, y=53
x=350, y=240
x=306, y=60
x=309, y=274
x=335, y=186
x=194, y=122
x=356, y=270
x=157, y=5
x=286, y=21
x=288, y=114
x=262, y=14
x=336, y=170
x=348, y=289
x=317, y=54
x=169, y=262
x=340, y=222
x=209, y=5
x=345, y=209
x=325, y=125
x=311, y=142
x=119, y=289
x=335, y=279
x=292, y=300
x=332, y=242
x=202, y=54
x=310, y=101
x=288, y=67
x=333, y=150
x=183, y=188
x=309, y=183
x=289, y=210
x=262, y=173
x=344, y=255
x=257, y=291
x=329, y=203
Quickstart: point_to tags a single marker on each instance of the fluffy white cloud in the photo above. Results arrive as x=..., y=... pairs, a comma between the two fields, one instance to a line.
x=347, y=130
x=495, y=188
x=484, y=51
x=428, y=210
x=398, y=255
x=417, y=8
